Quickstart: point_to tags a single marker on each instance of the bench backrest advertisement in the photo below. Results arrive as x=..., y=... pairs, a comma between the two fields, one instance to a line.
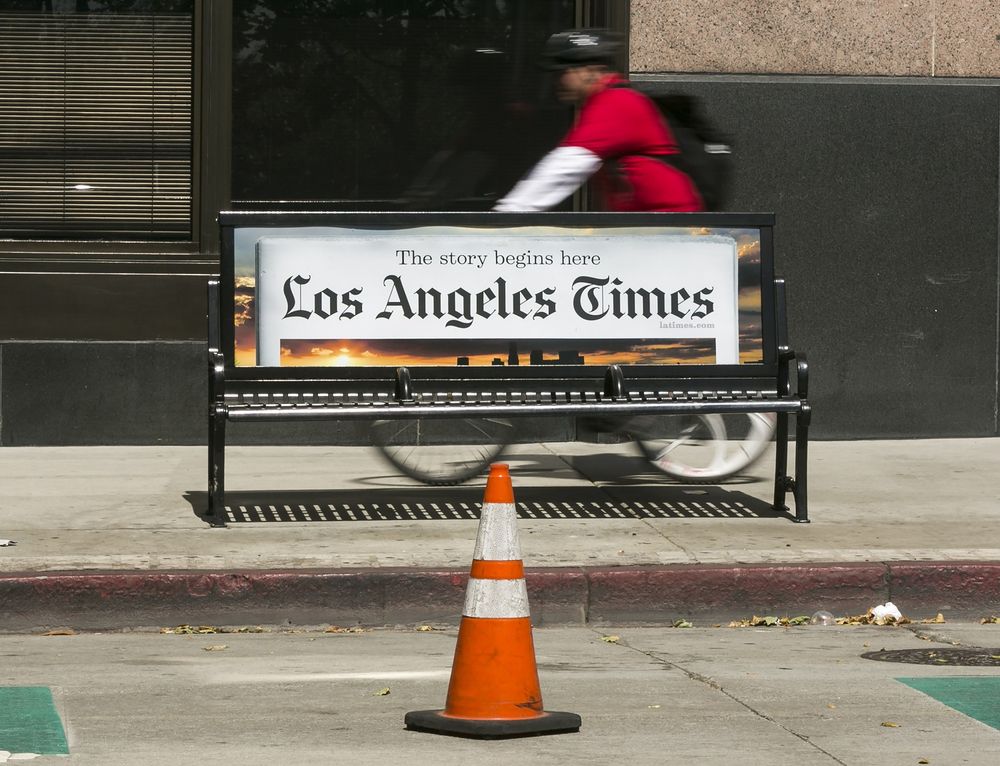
x=454, y=295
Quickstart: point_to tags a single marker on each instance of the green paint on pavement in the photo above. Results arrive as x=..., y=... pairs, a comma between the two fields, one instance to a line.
x=29, y=722
x=976, y=696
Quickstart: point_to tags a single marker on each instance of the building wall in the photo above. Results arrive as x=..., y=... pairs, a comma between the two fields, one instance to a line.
x=911, y=38
x=871, y=131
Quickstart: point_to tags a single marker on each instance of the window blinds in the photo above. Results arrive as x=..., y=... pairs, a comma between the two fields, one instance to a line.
x=95, y=125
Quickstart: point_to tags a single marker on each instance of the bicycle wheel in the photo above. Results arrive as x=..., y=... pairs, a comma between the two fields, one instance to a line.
x=701, y=448
x=441, y=451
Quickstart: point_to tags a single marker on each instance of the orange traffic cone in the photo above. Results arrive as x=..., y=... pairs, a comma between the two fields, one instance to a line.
x=494, y=689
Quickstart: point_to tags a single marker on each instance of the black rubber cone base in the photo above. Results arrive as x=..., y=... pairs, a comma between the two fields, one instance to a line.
x=435, y=722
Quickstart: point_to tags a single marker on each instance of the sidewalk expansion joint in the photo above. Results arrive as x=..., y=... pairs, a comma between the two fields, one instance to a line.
x=692, y=558
x=716, y=686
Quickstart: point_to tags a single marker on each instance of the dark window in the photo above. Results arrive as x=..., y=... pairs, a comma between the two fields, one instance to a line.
x=96, y=122
x=410, y=103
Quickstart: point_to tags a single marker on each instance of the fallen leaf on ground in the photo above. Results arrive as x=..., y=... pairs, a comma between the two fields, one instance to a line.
x=682, y=623
x=60, y=632
x=190, y=630
x=936, y=620
x=870, y=619
x=381, y=692
x=215, y=648
x=352, y=629
x=890, y=725
x=993, y=619
x=211, y=629
x=611, y=639
x=425, y=628
x=654, y=707
x=769, y=622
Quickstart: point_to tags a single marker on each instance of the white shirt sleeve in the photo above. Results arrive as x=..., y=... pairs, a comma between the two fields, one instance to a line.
x=557, y=175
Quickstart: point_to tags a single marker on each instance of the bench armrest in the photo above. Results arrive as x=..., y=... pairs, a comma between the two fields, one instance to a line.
x=801, y=375
x=785, y=357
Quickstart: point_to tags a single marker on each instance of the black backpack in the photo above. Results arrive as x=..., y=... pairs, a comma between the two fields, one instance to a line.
x=706, y=153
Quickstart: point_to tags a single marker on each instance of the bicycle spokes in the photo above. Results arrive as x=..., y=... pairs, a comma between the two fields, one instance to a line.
x=702, y=448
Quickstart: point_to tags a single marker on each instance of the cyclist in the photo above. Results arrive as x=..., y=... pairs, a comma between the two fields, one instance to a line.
x=618, y=134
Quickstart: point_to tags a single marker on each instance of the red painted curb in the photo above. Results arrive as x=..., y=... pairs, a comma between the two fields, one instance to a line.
x=945, y=587
x=655, y=595
x=665, y=594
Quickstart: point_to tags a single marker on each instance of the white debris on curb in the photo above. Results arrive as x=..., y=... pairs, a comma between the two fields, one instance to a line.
x=885, y=611
x=4, y=544
x=6, y=755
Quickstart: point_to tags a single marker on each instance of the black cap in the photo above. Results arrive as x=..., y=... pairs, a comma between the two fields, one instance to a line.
x=580, y=47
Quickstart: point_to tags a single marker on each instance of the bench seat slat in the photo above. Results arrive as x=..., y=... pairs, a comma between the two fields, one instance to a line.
x=242, y=411
x=483, y=398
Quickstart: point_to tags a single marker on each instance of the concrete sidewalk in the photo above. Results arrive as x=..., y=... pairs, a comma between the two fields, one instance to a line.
x=113, y=537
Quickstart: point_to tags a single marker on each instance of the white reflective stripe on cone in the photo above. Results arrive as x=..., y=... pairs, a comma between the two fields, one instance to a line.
x=496, y=598
x=497, y=538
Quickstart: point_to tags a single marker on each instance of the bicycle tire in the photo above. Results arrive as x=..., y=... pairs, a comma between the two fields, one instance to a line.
x=441, y=451
x=674, y=448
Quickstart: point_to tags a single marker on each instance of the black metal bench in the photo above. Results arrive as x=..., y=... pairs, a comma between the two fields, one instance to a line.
x=775, y=381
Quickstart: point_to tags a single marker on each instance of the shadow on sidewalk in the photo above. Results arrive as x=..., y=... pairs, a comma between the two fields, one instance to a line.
x=625, y=502
x=626, y=470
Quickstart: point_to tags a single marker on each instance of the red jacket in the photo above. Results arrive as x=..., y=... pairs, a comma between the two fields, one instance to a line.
x=626, y=130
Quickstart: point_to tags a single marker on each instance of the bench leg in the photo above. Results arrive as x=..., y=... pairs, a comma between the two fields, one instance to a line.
x=783, y=483
x=781, y=462
x=800, y=487
x=216, y=467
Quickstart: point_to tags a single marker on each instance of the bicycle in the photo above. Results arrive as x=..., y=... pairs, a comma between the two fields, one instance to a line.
x=687, y=448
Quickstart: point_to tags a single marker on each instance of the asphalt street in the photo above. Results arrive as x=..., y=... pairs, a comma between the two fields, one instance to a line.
x=725, y=695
